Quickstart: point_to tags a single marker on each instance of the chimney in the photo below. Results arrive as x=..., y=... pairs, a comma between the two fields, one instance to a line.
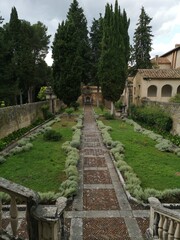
x=156, y=58
x=177, y=45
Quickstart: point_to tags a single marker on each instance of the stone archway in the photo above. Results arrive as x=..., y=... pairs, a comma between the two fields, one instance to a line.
x=178, y=90
x=166, y=91
x=88, y=100
x=152, y=91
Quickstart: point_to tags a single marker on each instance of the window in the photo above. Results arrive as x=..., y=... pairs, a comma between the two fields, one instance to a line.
x=166, y=91
x=152, y=91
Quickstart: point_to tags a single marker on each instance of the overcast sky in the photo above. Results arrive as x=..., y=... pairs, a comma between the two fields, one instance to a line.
x=165, y=16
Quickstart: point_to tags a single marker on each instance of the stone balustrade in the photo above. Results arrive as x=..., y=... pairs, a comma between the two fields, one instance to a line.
x=43, y=222
x=164, y=223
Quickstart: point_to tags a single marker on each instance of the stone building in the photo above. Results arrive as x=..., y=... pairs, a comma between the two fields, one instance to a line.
x=160, y=83
x=155, y=85
x=91, y=95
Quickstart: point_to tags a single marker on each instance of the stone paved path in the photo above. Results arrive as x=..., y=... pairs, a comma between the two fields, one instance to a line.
x=101, y=209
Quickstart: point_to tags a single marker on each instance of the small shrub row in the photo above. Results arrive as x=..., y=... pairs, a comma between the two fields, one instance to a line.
x=163, y=145
x=107, y=140
x=24, y=143
x=132, y=182
x=4, y=142
x=69, y=187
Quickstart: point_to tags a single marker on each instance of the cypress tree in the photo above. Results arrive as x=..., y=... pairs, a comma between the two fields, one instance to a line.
x=71, y=54
x=143, y=42
x=113, y=60
x=95, y=43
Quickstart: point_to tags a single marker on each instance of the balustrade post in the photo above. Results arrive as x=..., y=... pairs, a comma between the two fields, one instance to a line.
x=177, y=232
x=160, y=227
x=0, y=215
x=14, y=216
x=171, y=231
x=155, y=226
x=165, y=229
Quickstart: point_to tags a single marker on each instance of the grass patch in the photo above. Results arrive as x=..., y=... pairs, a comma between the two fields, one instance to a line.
x=99, y=110
x=155, y=169
x=42, y=168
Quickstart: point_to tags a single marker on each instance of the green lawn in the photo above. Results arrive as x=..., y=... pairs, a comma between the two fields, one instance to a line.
x=155, y=169
x=42, y=168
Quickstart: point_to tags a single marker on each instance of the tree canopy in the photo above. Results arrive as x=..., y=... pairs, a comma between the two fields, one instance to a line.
x=142, y=42
x=71, y=54
x=23, y=50
x=114, y=53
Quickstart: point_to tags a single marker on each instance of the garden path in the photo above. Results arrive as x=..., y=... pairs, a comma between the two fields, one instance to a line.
x=101, y=209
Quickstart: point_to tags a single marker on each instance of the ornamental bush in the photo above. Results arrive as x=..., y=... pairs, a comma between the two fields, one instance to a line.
x=153, y=116
x=52, y=135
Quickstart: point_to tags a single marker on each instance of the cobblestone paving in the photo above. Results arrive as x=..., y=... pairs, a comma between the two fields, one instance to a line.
x=101, y=209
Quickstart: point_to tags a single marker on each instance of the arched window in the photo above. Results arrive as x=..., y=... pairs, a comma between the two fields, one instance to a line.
x=166, y=91
x=178, y=90
x=152, y=91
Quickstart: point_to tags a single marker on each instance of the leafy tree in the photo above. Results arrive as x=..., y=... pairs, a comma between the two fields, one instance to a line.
x=113, y=61
x=142, y=42
x=23, y=67
x=71, y=55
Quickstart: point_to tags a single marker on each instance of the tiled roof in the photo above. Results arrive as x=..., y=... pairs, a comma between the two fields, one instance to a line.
x=160, y=73
x=160, y=60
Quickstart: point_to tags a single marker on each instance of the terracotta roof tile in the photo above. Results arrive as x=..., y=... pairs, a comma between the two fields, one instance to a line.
x=161, y=60
x=160, y=73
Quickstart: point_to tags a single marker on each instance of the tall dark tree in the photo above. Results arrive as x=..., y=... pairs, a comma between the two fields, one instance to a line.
x=143, y=42
x=11, y=54
x=24, y=47
x=1, y=19
x=113, y=60
x=71, y=55
x=96, y=35
x=39, y=49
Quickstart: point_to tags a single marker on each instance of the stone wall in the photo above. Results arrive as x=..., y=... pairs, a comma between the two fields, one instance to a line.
x=174, y=110
x=16, y=117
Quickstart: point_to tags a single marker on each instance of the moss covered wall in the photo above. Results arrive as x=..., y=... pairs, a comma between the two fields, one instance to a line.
x=19, y=116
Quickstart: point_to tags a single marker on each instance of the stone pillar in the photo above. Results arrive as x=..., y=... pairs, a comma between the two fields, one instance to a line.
x=49, y=217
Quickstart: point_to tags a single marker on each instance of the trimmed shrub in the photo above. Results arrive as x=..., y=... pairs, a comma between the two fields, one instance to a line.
x=75, y=144
x=52, y=135
x=2, y=159
x=108, y=116
x=165, y=146
x=175, y=99
x=69, y=111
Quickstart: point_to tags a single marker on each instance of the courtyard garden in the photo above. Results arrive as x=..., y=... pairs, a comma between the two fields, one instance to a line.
x=148, y=162
x=42, y=160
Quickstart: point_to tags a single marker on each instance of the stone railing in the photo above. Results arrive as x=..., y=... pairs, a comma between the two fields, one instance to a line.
x=43, y=222
x=164, y=223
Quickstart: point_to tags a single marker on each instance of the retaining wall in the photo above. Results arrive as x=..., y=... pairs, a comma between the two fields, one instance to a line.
x=16, y=117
